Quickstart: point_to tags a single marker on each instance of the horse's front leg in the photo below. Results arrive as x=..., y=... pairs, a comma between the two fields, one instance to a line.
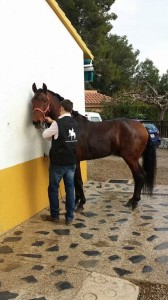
x=79, y=193
x=139, y=179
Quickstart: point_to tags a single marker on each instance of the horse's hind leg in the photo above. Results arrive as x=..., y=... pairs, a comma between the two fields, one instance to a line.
x=79, y=193
x=139, y=180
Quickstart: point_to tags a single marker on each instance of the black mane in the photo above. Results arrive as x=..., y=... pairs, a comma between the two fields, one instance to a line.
x=76, y=114
x=60, y=98
x=57, y=95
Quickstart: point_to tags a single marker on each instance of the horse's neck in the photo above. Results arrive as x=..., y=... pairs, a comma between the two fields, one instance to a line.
x=82, y=121
x=54, y=107
x=78, y=117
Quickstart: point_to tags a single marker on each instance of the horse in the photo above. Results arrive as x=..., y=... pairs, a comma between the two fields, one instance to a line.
x=125, y=138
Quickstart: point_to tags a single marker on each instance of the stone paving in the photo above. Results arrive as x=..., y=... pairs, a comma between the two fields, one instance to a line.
x=99, y=256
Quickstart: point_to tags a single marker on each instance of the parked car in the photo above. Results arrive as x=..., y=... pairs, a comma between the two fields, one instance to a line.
x=93, y=116
x=153, y=131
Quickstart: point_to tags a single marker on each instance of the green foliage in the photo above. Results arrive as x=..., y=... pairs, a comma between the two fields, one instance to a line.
x=114, y=59
x=147, y=72
x=163, y=84
x=115, y=62
x=123, y=109
x=118, y=67
x=91, y=19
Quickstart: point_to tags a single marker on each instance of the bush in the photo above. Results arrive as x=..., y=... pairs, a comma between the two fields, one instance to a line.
x=136, y=110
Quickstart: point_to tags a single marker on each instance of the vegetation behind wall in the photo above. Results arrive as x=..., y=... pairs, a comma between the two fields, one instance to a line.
x=136, y=110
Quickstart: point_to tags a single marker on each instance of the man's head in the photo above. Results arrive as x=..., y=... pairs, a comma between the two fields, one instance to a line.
x=66, y=106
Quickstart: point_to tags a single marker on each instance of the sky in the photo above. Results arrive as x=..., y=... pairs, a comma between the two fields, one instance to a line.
x=145, y=23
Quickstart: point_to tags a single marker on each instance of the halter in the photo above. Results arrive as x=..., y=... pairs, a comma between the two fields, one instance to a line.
x=44, y=111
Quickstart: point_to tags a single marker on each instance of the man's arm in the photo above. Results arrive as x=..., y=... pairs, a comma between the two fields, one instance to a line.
x=51, y=131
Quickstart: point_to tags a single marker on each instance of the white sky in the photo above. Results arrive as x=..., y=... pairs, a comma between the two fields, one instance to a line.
x=145, y=23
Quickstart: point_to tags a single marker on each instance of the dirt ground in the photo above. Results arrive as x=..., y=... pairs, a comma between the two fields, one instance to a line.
x=115, y=168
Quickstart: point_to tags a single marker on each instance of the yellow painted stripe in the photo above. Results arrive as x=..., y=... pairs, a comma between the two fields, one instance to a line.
x=61, y=15
x=23, y=191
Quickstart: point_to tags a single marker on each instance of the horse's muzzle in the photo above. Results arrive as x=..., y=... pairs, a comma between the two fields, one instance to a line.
x=40, y=125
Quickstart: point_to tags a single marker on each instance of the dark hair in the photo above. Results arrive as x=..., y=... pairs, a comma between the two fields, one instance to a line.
x=67, y=105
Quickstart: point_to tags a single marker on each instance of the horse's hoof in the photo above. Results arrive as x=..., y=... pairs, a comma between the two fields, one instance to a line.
x=134, y=205
x=79, y=208
x=129, y=203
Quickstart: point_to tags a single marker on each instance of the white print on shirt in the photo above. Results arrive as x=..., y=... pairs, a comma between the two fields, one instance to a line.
x=72, y=134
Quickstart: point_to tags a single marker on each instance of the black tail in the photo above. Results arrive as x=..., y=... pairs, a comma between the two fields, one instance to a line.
x=149, y=166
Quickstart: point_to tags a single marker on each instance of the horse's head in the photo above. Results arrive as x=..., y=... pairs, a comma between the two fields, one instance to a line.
x=45, y=103
x=41, y=105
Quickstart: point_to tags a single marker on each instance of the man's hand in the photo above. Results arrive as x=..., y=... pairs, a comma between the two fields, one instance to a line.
x=48, y=119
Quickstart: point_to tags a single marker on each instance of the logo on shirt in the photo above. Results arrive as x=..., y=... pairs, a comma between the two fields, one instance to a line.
x=72, y=134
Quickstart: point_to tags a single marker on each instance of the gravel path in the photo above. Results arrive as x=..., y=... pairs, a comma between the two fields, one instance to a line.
x=113, y=167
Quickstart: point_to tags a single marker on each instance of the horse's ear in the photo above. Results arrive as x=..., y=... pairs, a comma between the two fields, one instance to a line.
x=34, y=88
x=44, y=88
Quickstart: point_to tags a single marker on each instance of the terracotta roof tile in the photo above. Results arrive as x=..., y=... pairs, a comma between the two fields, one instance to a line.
x=93, y=97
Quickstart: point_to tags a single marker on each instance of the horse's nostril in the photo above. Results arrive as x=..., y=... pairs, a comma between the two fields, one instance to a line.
x=37, y=123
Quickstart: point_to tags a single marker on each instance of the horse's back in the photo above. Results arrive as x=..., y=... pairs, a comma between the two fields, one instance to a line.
x=121, y=137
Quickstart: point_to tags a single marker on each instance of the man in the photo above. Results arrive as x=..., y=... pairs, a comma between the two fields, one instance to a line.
x=63, y=134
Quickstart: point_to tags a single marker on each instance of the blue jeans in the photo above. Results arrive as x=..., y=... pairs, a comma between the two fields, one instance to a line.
x=56, y=173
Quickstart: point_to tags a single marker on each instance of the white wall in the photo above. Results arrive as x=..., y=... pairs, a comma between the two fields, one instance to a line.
x=34, y=47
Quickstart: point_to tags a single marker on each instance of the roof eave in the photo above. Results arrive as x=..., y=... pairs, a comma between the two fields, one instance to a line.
x=61, y=15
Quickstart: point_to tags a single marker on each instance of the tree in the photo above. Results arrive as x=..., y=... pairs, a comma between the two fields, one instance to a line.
x=91, y=19
x=154, y=98
x=114, y=59
x=163, y=84
x=118, y=67
x=151, y=88
x=147, y=72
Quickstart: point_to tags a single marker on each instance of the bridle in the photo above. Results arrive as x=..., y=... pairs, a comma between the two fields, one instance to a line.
x=43, y=111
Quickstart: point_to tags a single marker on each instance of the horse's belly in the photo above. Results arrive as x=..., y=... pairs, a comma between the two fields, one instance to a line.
x=95, y=152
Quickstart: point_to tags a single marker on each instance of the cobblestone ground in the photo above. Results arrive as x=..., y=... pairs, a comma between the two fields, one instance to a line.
x=47, y=261
x=115, y=168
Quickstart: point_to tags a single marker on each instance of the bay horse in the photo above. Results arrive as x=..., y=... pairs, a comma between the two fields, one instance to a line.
x=126, y=138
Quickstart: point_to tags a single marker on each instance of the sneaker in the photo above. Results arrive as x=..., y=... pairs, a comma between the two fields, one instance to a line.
x=68, y=222
x=50, y=218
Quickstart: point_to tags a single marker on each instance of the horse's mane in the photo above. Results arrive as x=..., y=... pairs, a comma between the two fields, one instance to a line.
x=60, y=98
x=57, y=95
x=76, y=115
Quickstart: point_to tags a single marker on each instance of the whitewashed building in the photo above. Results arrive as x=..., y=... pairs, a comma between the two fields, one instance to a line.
x=37, y=44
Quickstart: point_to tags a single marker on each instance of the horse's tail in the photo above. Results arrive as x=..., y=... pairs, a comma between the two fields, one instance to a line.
x=149, y=166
